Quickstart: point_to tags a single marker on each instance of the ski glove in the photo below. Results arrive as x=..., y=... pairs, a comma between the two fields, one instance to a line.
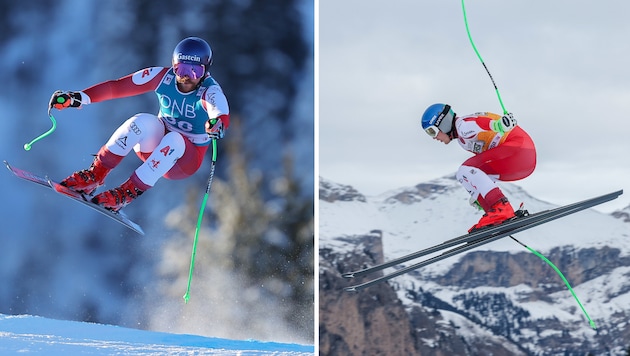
x=215, y=129
x=65, y=99
x=505, y=124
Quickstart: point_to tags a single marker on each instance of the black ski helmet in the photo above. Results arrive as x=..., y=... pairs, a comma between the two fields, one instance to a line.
x=193, y=50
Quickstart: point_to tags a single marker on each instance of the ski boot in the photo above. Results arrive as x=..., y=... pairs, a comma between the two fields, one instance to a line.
x=498, y=213
x=88, y=180
x=117, y=198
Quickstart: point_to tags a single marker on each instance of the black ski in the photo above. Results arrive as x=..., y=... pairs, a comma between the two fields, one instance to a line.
x=511, y=224
x=476, y=239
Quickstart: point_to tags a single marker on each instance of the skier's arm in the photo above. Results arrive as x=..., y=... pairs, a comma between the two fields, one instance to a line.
x=137, y=83
x=481, y=131
x=140, y=82
x=215, y=104
x=496, y=123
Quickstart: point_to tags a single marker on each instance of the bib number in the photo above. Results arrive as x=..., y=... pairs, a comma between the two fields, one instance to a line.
x=182, y=125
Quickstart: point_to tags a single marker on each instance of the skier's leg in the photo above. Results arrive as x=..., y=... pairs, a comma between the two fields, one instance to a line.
x=514, y=159
x=484, y=190
x=189, y=163
x=88, y=180
x=141, y=132
x=186, y=165
x=482, y=187
x=141, y=129
x=161, y=160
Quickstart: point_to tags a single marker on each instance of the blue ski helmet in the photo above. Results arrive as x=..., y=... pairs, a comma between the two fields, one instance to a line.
x=193, y=50
x=440, y=116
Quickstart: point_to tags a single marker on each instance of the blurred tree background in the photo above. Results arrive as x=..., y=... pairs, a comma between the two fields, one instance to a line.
x=255, y=263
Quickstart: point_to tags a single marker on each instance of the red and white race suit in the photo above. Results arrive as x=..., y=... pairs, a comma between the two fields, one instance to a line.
x=172, y=143
x=502, y=156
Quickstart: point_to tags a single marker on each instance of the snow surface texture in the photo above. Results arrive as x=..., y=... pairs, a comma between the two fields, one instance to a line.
x=413, y=218
x=33, y=335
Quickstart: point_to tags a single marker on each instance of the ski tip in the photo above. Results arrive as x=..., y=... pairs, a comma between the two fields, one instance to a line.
x=350, y=289
x=348, y=275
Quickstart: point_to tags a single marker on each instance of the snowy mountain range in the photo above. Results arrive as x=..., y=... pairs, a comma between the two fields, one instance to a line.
x=495, y=299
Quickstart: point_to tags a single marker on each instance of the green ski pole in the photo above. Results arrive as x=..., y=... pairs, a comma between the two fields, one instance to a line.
x=481, y=59
x=591, y=322
x=199, y=218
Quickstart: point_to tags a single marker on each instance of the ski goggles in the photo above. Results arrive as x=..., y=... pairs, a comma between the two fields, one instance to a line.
x=432, y=131
x=192, y=71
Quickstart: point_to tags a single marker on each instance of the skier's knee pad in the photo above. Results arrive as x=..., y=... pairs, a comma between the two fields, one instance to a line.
x=471, y=178
x=475, y=181
x=464, y=174
x=162, y=159
x=172, y=145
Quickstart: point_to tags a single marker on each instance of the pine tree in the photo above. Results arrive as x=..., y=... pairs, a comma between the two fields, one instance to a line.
x=273, y=237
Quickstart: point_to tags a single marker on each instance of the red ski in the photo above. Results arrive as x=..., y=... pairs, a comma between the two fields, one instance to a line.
x=119, y=216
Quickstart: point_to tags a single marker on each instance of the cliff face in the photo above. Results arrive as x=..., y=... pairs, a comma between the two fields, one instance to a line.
x=355, y=323
x=376, y=322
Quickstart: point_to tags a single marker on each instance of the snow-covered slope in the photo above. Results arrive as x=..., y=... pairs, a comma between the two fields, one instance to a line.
x=499, y=287
x=33, y=335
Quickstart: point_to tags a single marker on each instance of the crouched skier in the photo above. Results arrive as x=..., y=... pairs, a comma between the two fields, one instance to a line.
x=172, y=144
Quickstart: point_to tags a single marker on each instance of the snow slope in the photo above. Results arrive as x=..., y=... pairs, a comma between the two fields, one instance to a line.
x=31, y=335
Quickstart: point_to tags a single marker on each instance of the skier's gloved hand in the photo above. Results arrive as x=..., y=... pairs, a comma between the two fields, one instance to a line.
x=215, y=129
x=505, y=124
x=65, y=99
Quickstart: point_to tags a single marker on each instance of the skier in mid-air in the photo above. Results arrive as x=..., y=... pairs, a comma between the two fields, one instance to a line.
x=172, y=144
x=503, y=152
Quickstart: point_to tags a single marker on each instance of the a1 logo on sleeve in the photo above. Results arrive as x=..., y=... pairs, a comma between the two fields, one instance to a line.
x=144, y=76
